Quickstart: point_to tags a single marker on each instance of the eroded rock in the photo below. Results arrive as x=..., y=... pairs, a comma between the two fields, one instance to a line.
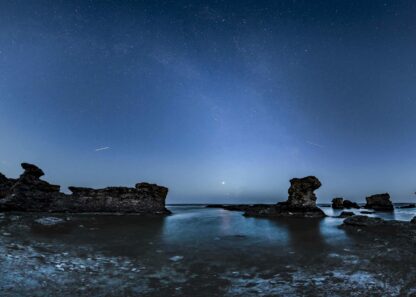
x=346, y=214
x=337, y=203
x=350, y=204
x=30, y=193
x=5, y=185
x=380, y=202
x=301, y=201
x=363, y=221
x=412, y=205
x=301, y=191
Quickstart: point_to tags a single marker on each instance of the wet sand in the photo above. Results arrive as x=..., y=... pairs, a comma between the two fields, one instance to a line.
x=201, y=252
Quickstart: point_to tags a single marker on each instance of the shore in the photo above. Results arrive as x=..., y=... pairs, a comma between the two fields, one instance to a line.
x=199, y=251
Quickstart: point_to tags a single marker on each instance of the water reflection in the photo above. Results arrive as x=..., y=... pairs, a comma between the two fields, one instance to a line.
x=304, y=234
x=128, y=235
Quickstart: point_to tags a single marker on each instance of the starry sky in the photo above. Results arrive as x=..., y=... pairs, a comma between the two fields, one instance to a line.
x=221, y=101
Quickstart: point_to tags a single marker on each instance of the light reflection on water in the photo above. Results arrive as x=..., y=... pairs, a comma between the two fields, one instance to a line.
x=200, y=227
x=401, y=214
x=192, y=248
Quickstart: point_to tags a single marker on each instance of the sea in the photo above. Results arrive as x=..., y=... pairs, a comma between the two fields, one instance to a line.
x=199, y=251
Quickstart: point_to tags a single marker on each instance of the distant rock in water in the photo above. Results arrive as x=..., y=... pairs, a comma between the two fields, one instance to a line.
x=301, y=201
x=338, y=203
x=383, y=226
x=350, y=204
x=231, y=207
x=30, y=193
x=301, y=191
x=363, y=221
x=379, y=202
x=346, y=214
x=412, y=205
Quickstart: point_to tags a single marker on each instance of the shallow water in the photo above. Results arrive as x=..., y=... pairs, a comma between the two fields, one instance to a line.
x=197, y=251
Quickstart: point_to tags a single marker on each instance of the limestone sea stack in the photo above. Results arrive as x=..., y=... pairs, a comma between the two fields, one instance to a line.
x=379, y=202
x=338, y=203
x=30, y=193
x=301, y=201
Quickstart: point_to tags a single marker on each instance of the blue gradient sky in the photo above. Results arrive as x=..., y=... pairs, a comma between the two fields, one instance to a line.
x=221, y=101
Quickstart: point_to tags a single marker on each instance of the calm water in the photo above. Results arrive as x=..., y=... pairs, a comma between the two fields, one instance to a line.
x=197, y=251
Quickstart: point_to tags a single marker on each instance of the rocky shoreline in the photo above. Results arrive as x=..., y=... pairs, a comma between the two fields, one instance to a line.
x=29, y=193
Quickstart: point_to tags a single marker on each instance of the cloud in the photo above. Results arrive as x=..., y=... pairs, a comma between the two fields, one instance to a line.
x=314, y=144
x=102, y=148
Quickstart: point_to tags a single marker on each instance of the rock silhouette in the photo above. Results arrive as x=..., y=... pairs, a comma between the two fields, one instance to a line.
x=380, y=202
x=338, y=203
x=301, y=201
x=346, y=214
x=350, y=204
x=30, y=193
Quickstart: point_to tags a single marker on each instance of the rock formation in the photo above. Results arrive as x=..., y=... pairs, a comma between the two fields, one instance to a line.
x=363, y=221
x=338, y=203
x=5, y=185
x=380, y=202
x=301, y=201
x=383, y=226
x=30, y=193
x=412, y=205
x=346, y=214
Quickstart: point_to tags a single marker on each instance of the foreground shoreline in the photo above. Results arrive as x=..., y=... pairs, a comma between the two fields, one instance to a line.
x=199, y=251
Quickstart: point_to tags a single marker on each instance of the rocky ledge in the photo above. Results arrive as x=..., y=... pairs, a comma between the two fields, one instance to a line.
x=301, y=201
x=340, y=203
x=379, y=202
x=30, y=193
x=377, y=225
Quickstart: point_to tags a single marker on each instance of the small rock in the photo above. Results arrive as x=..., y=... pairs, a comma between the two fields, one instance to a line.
x=337, y=203
x=346, y=214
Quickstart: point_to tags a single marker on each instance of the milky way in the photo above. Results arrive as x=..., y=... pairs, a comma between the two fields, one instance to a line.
x=221, y=101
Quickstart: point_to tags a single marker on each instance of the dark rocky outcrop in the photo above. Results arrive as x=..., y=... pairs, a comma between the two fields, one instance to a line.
x=346, y=214
x=380, y=225
x=350, y=204
x=30, y=193
x=5, y=185
x=231, y=207
x=338, y=203
x=412, y=205
x=379, y=202
x=301, y=201
x=301, y=191
x=363, y=221
x=144, y=198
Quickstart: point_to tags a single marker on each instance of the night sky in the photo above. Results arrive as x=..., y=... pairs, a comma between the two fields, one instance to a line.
x=221, y=101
